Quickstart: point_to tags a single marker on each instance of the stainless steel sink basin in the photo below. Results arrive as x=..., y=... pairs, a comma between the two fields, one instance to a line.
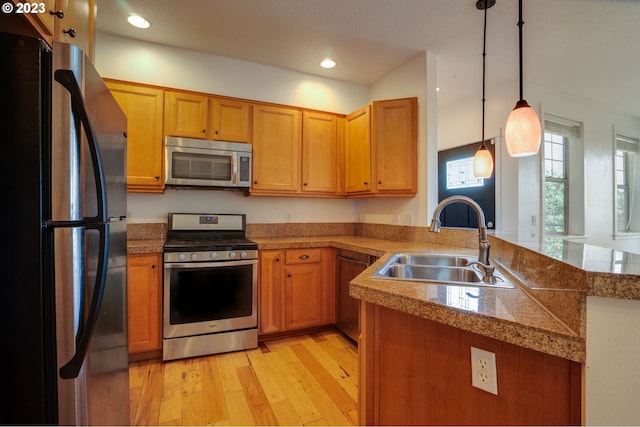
x=436, y=268
x=433, y=273
x=432, y=259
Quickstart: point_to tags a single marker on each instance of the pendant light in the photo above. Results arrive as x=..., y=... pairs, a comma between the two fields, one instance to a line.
x=483, y=161
x=522, y=132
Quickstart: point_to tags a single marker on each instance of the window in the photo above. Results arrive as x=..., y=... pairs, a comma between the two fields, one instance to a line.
x=559, y=135
x=625, y=167
x=460, y=174
x=555, y=183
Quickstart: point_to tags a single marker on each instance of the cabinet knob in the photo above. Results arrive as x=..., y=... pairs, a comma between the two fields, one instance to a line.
x=255, y=182
x=289, y=275
x=153, y=266
x=204, y=131
x=379, y=182
x=304, y=257
x=305, y=184
x=365, y=183
x=71, y=32
x=58, y=13
x=217, y=132
x=277, y=259
x=157, y=177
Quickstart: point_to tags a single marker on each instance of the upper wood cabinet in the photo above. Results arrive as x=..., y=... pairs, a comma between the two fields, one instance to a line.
x=395, y=145
x=193, y=115
x=42, y=21
x=186, y=114
x=357, y=147
x=230, y=120
x=276, y=149
x=143, y=106
x=67, y=21
x=77, y=27
x=381, y=147
x=322, y=149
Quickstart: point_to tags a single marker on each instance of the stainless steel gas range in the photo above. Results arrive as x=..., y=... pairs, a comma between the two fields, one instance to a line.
x=210, y=286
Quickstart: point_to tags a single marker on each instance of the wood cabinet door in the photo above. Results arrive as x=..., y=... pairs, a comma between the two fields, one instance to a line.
x=78, y=25
x=42, y=22
x=319, y=152
x=230, y=120
x=303, y=295
x=276, y=149
x=270, y=293
x=395, y=145
x=144, y=297
x=357, y=147
x=186, y=114
x=143, y=106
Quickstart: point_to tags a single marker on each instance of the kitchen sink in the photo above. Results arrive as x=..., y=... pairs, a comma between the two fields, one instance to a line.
x=432, y=259
x=436, y=268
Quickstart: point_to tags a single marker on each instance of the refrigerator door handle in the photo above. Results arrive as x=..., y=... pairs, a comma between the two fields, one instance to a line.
x=67, y=79
x=72, y=368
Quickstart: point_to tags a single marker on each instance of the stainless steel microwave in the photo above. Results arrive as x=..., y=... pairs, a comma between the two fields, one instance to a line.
x=201, y=163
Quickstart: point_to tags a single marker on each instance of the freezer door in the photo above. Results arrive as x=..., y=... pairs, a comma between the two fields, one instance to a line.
x=109, y=126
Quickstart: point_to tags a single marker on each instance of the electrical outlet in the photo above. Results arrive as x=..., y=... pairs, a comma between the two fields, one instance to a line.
x=483, y=370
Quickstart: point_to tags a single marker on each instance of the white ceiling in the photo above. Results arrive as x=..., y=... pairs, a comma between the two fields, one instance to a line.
x=585, y=48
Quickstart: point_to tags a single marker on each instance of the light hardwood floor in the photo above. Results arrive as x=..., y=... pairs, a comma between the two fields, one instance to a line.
x=303, y=380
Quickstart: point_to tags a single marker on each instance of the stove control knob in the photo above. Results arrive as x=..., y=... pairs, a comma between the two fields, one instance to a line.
x=194, y=257
x=213, y=255
x=182, y=257
x=244, y=254
x=232, y=255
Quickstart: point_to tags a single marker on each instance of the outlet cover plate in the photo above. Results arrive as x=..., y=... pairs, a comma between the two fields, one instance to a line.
x=483, y=370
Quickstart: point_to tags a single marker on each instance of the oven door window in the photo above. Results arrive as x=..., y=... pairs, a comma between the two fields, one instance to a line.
x=211, y=293
x=201, y=166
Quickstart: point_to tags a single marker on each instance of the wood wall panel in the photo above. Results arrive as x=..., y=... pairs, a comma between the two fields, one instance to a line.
x=421, y=374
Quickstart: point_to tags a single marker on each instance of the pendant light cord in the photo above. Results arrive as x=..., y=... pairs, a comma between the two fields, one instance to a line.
x=484, y=54
x=520, y=24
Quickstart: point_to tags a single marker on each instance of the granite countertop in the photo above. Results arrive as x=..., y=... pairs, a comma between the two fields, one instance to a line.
x=146, y=238
x=509, y=315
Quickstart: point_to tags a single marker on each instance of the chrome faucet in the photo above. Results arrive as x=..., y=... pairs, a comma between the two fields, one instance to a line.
x=483, y=255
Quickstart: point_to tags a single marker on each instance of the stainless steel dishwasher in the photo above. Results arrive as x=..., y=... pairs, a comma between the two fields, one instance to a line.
x=348, y=265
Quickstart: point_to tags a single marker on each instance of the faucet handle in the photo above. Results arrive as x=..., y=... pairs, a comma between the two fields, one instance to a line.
x=487, y=271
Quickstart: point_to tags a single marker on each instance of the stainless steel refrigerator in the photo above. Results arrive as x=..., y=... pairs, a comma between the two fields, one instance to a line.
x=63, y=296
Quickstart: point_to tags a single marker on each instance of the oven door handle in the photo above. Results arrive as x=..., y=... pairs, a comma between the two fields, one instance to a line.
x=172, y=265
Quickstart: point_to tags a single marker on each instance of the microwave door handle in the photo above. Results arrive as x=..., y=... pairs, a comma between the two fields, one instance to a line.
x=72, y=368
x=234, y=173
x=67, y=79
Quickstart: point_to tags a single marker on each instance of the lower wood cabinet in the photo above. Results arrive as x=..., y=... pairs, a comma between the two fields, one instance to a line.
x=415, y=371
x=297, y=289
x=144, y=298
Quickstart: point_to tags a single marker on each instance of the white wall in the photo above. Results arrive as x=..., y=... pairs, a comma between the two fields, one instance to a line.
x=518, y=181
x=137, y=61
x=613, y=367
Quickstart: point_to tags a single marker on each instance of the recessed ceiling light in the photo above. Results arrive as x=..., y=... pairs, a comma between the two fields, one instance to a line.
x=138, y=21
x=328, y=63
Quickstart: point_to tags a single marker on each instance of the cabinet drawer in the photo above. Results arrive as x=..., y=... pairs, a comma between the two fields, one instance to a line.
x=303, y=256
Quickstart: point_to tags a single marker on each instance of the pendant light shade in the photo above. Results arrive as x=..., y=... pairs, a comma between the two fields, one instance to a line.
x=522, y=132
x=483, y=161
